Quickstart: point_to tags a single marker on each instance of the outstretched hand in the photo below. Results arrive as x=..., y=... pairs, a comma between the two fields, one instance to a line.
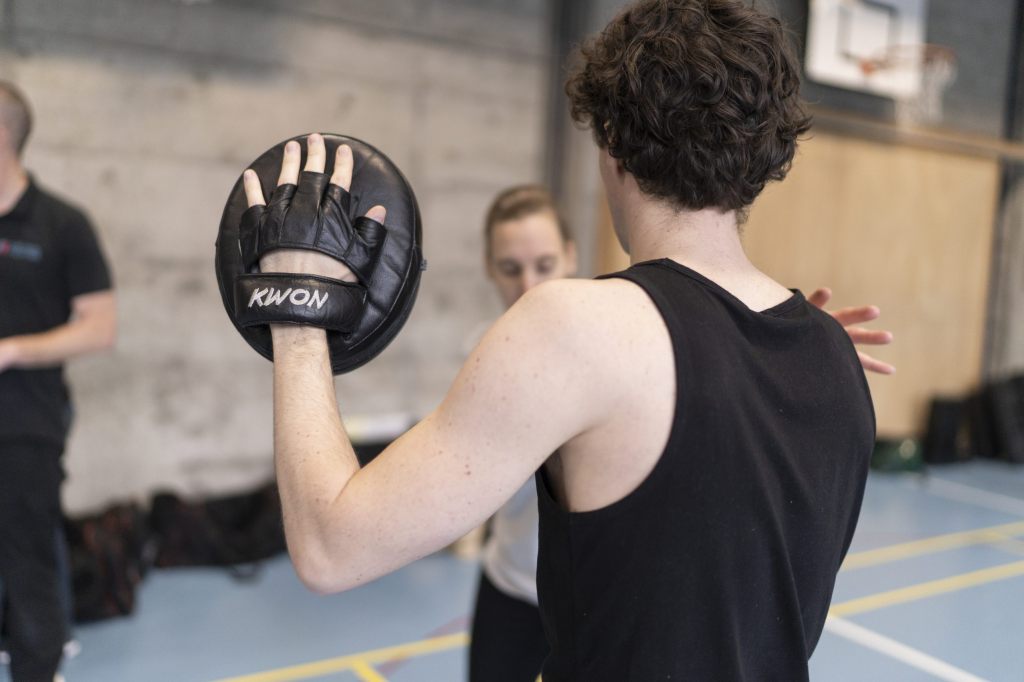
x=850, y=318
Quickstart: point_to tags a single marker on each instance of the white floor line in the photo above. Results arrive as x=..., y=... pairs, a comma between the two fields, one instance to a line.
x=977, y=496
x=899, y=651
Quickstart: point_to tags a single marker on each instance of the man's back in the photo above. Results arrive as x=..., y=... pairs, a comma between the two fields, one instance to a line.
x=713, y=556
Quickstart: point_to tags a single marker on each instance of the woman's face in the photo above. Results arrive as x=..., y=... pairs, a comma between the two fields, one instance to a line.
x=528, y=251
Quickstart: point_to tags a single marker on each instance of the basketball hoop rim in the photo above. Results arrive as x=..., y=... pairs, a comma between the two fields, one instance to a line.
x=894, y=55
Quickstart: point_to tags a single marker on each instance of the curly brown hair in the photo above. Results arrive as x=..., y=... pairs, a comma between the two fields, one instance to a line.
x=698, y=99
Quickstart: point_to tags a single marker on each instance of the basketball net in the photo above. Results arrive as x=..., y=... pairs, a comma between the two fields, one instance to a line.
x=937, y=67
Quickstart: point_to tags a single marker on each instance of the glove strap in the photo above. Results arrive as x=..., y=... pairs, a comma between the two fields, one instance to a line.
x=279, y=298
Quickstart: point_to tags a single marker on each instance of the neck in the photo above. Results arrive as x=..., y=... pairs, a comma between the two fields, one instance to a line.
x=707, y=239
x=13, y=182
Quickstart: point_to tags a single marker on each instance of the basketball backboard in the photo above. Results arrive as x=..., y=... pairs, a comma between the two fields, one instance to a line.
x=845, y=36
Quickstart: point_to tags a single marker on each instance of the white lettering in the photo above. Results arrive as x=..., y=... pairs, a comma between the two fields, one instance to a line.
x=277, y=297
x=272, y=296
x=319, y=298
x=257, y=297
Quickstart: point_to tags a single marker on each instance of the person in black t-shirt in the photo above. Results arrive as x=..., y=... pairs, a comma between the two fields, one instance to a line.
x=56, y=303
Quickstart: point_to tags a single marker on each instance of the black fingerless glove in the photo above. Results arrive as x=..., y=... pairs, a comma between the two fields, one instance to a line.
x=313, y=215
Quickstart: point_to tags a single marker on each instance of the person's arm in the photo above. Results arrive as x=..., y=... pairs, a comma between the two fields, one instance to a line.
x=850, y=318
x=92, y=328
x=517, y=399
x=529, y=387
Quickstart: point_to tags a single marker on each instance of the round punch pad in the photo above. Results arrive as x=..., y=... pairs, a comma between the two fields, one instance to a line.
x=392, y=288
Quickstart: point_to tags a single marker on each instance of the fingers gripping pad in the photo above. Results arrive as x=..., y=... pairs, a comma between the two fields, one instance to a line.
x=387, y=260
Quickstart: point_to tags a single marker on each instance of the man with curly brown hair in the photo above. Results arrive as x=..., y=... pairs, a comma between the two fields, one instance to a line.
x=711, y=428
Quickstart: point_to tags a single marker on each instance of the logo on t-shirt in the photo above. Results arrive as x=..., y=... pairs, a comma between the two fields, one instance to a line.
x=32, y=253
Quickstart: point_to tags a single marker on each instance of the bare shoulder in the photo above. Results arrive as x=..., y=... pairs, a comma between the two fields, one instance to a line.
x=582, y=327
x=616, y=371
x=581, y=306
x=567, y=336
x=585, y=315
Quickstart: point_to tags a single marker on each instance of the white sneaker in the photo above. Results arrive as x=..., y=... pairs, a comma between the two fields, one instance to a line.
x=58, y=678
x=72, y=648
x=5, y=658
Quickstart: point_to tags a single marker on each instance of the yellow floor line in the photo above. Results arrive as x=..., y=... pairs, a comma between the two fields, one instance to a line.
x=333, y=665
x=366, y=672
x=1012, y=545
x=929, y=589
x=939, y=543
x=362, y=663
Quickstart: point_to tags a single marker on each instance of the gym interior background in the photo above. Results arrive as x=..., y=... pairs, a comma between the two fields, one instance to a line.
x=146, y=110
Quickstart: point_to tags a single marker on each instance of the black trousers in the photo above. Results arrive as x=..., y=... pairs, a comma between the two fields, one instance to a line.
x=32, y=615
x=508, y=643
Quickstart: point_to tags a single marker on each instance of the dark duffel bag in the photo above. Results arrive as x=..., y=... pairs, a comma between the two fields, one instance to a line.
x=108, y=555
x=232, y=530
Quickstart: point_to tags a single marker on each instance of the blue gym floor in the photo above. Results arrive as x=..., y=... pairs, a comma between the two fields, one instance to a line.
x=933, y=588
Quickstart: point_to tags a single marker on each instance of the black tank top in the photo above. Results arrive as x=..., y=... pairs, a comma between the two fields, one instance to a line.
x=720, y=564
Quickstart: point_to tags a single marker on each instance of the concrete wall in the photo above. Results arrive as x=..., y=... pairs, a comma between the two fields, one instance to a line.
x=574, y=171
x=147, y=110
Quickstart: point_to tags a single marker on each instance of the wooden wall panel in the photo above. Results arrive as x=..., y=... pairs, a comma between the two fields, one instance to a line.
x=908, y=229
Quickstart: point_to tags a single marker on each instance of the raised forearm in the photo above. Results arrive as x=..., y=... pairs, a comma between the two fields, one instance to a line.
x=313, y=455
